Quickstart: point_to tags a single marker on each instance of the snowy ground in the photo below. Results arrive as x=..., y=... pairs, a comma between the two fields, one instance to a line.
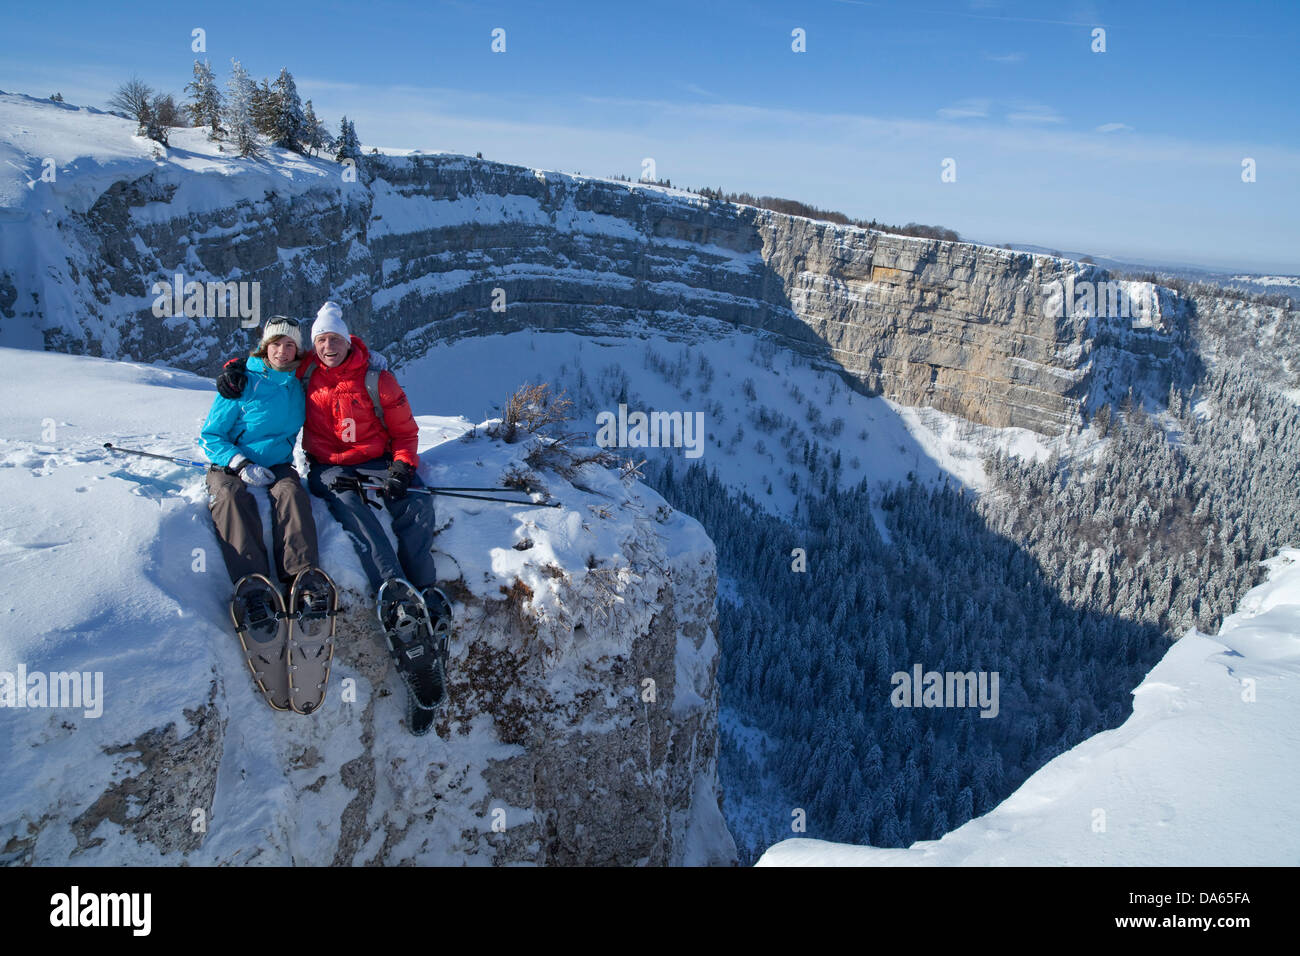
x=100, y=558
x=1203, y=773
x=110, y=565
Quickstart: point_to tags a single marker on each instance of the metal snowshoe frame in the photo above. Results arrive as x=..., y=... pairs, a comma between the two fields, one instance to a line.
x=242, y=629
x=296, y=617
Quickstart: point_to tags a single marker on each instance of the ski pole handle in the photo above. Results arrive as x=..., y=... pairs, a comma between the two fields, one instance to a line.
x=148, y=454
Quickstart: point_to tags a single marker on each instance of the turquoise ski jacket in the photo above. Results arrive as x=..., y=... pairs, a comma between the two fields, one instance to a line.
x=262, y=425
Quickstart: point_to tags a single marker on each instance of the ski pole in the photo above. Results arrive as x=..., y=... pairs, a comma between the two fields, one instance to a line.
x=454, y=494
x=509, y=501
x=356, y=484
x=148, y=454
x=438, y=488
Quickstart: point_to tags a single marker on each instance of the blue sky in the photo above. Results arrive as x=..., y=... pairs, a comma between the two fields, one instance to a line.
x=1135, y=152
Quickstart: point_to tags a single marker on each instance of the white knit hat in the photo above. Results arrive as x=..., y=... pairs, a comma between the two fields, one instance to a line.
x=278, y=325
x=330, y=319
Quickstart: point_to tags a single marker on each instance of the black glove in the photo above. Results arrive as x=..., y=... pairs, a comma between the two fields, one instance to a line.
x=398, y=480
x=233, y=378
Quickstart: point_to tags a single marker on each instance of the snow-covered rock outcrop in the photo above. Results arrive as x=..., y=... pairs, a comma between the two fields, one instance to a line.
x=1199, y=775
x=435, y=247
x=581, y=726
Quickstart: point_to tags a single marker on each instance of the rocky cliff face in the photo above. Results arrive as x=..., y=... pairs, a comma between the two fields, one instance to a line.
x=551, y=750
x=961, y=327
x=444, y=246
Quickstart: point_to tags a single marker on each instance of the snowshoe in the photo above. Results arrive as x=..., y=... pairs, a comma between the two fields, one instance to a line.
x=313, y=607
x=257, y=611
x=413, y=644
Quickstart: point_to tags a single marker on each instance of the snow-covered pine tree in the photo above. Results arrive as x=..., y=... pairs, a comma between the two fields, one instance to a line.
x=264, y=107
x=156, y=126
x=240, y=91
x=314, y=136
x=348, y=146
x=205, y=99
x=289, y=119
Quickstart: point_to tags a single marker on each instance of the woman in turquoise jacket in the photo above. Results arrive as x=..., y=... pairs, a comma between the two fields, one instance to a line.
x=250, y=441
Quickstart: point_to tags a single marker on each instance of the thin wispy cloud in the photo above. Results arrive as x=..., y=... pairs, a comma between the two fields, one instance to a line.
x=966, y=109
x=980, y=108
x=1059, y=23
x=1113, y=128
x=699, y=90
x=830, y=132
x=1034, y=113
x=975, y=13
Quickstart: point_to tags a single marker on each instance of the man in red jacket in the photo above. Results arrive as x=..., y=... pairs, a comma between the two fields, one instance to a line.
x=344, y=437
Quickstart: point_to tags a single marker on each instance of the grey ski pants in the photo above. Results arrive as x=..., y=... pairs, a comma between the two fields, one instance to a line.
x=239, y=526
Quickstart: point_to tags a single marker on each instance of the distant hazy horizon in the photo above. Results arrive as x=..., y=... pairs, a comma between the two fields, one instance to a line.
x=1135, y=152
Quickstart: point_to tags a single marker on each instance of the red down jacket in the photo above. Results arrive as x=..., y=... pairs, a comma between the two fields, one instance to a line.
x=341, y=427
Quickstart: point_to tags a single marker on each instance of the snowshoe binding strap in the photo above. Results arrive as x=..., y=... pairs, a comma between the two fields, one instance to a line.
x=316, y=606
x=406, y=626
x=259, y=617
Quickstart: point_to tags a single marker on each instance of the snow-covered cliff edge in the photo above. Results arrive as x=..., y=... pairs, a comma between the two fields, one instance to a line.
x=555, y=746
